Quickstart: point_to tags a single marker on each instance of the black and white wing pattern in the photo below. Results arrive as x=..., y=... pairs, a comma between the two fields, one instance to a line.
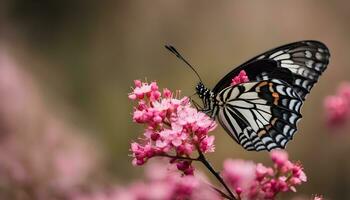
x=299, y=64
x=260, y=115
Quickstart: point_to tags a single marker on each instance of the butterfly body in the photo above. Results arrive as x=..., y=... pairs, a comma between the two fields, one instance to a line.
x=262, y=114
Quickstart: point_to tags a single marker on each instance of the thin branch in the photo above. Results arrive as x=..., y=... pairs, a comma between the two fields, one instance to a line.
x=206, y=163
x=195, y=159
x=211, y=169
x=221, y=192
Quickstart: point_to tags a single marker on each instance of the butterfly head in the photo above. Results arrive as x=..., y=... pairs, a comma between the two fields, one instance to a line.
x=202, y=91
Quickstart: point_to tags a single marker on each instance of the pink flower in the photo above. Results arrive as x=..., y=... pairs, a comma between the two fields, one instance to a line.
x=145, y=90
x=167, y=93
x=239, y=173
x=207, y=144
x=279, y=157
x=255, y=181
x=337, y=109
x=173, y=127
x=240, y=78
x=161, y=183
x=262, y=171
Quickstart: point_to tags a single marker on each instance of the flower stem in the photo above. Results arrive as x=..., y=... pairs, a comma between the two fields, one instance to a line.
x=221, y=192
x=206, y=163
x=202, y=158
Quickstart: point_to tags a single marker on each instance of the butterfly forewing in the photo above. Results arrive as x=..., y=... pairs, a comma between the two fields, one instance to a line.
x=305, y=61
x=259, y=115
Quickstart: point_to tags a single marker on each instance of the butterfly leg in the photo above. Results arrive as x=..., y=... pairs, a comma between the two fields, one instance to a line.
x=198, y=107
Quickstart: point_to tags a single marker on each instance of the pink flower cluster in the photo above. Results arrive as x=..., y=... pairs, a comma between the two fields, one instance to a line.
x=161, y=183
x=256, y=181
x=240, y=78
x=173, y=127
x=338, y=106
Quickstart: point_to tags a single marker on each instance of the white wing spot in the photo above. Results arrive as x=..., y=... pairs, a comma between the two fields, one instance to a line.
x=260, y=148
x=279, y=137
x=293, y=118
x=282, y=57
x=286, y=129
x=261, y=57
x=287, y=61
x=276, y=54
x=309, y=63
x=320, y=50
x=318, y=66
x=308, y=54
x=305, y=84
x=292, y=103
x=289, y=66
x=319, y=56
x=284, y=141
x=280, y=89
x=271, y=146
x=266, y=140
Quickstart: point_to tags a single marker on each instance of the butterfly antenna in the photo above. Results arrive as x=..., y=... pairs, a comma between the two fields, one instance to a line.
x=178, y=55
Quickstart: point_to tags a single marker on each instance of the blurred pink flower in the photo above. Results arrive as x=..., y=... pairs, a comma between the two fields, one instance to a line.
x=337, y=110
x=240, y=78
x=279, y=157
x=240, y=174
x=172, y=126
x=162, y=182
x=337, y=107
x=41, y=157
x=255, y=181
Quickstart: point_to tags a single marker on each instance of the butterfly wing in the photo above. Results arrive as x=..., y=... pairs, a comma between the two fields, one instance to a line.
x=260, y=115
x=300, y=64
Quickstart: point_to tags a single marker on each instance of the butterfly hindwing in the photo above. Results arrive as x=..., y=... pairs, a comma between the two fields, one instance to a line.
x=260, y=115
x=302, y=61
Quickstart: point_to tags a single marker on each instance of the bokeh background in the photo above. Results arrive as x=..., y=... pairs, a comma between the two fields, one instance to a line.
x=82, y=57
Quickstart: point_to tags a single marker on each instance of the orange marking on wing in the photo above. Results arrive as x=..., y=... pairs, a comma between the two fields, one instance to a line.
x=276, y=97
x=273, y=121
x=261, y=133
x=262, y=83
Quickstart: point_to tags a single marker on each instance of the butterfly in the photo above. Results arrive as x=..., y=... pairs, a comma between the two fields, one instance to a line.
x=262, y=114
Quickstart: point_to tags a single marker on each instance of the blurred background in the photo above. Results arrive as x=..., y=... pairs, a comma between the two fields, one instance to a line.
x=70, y=64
